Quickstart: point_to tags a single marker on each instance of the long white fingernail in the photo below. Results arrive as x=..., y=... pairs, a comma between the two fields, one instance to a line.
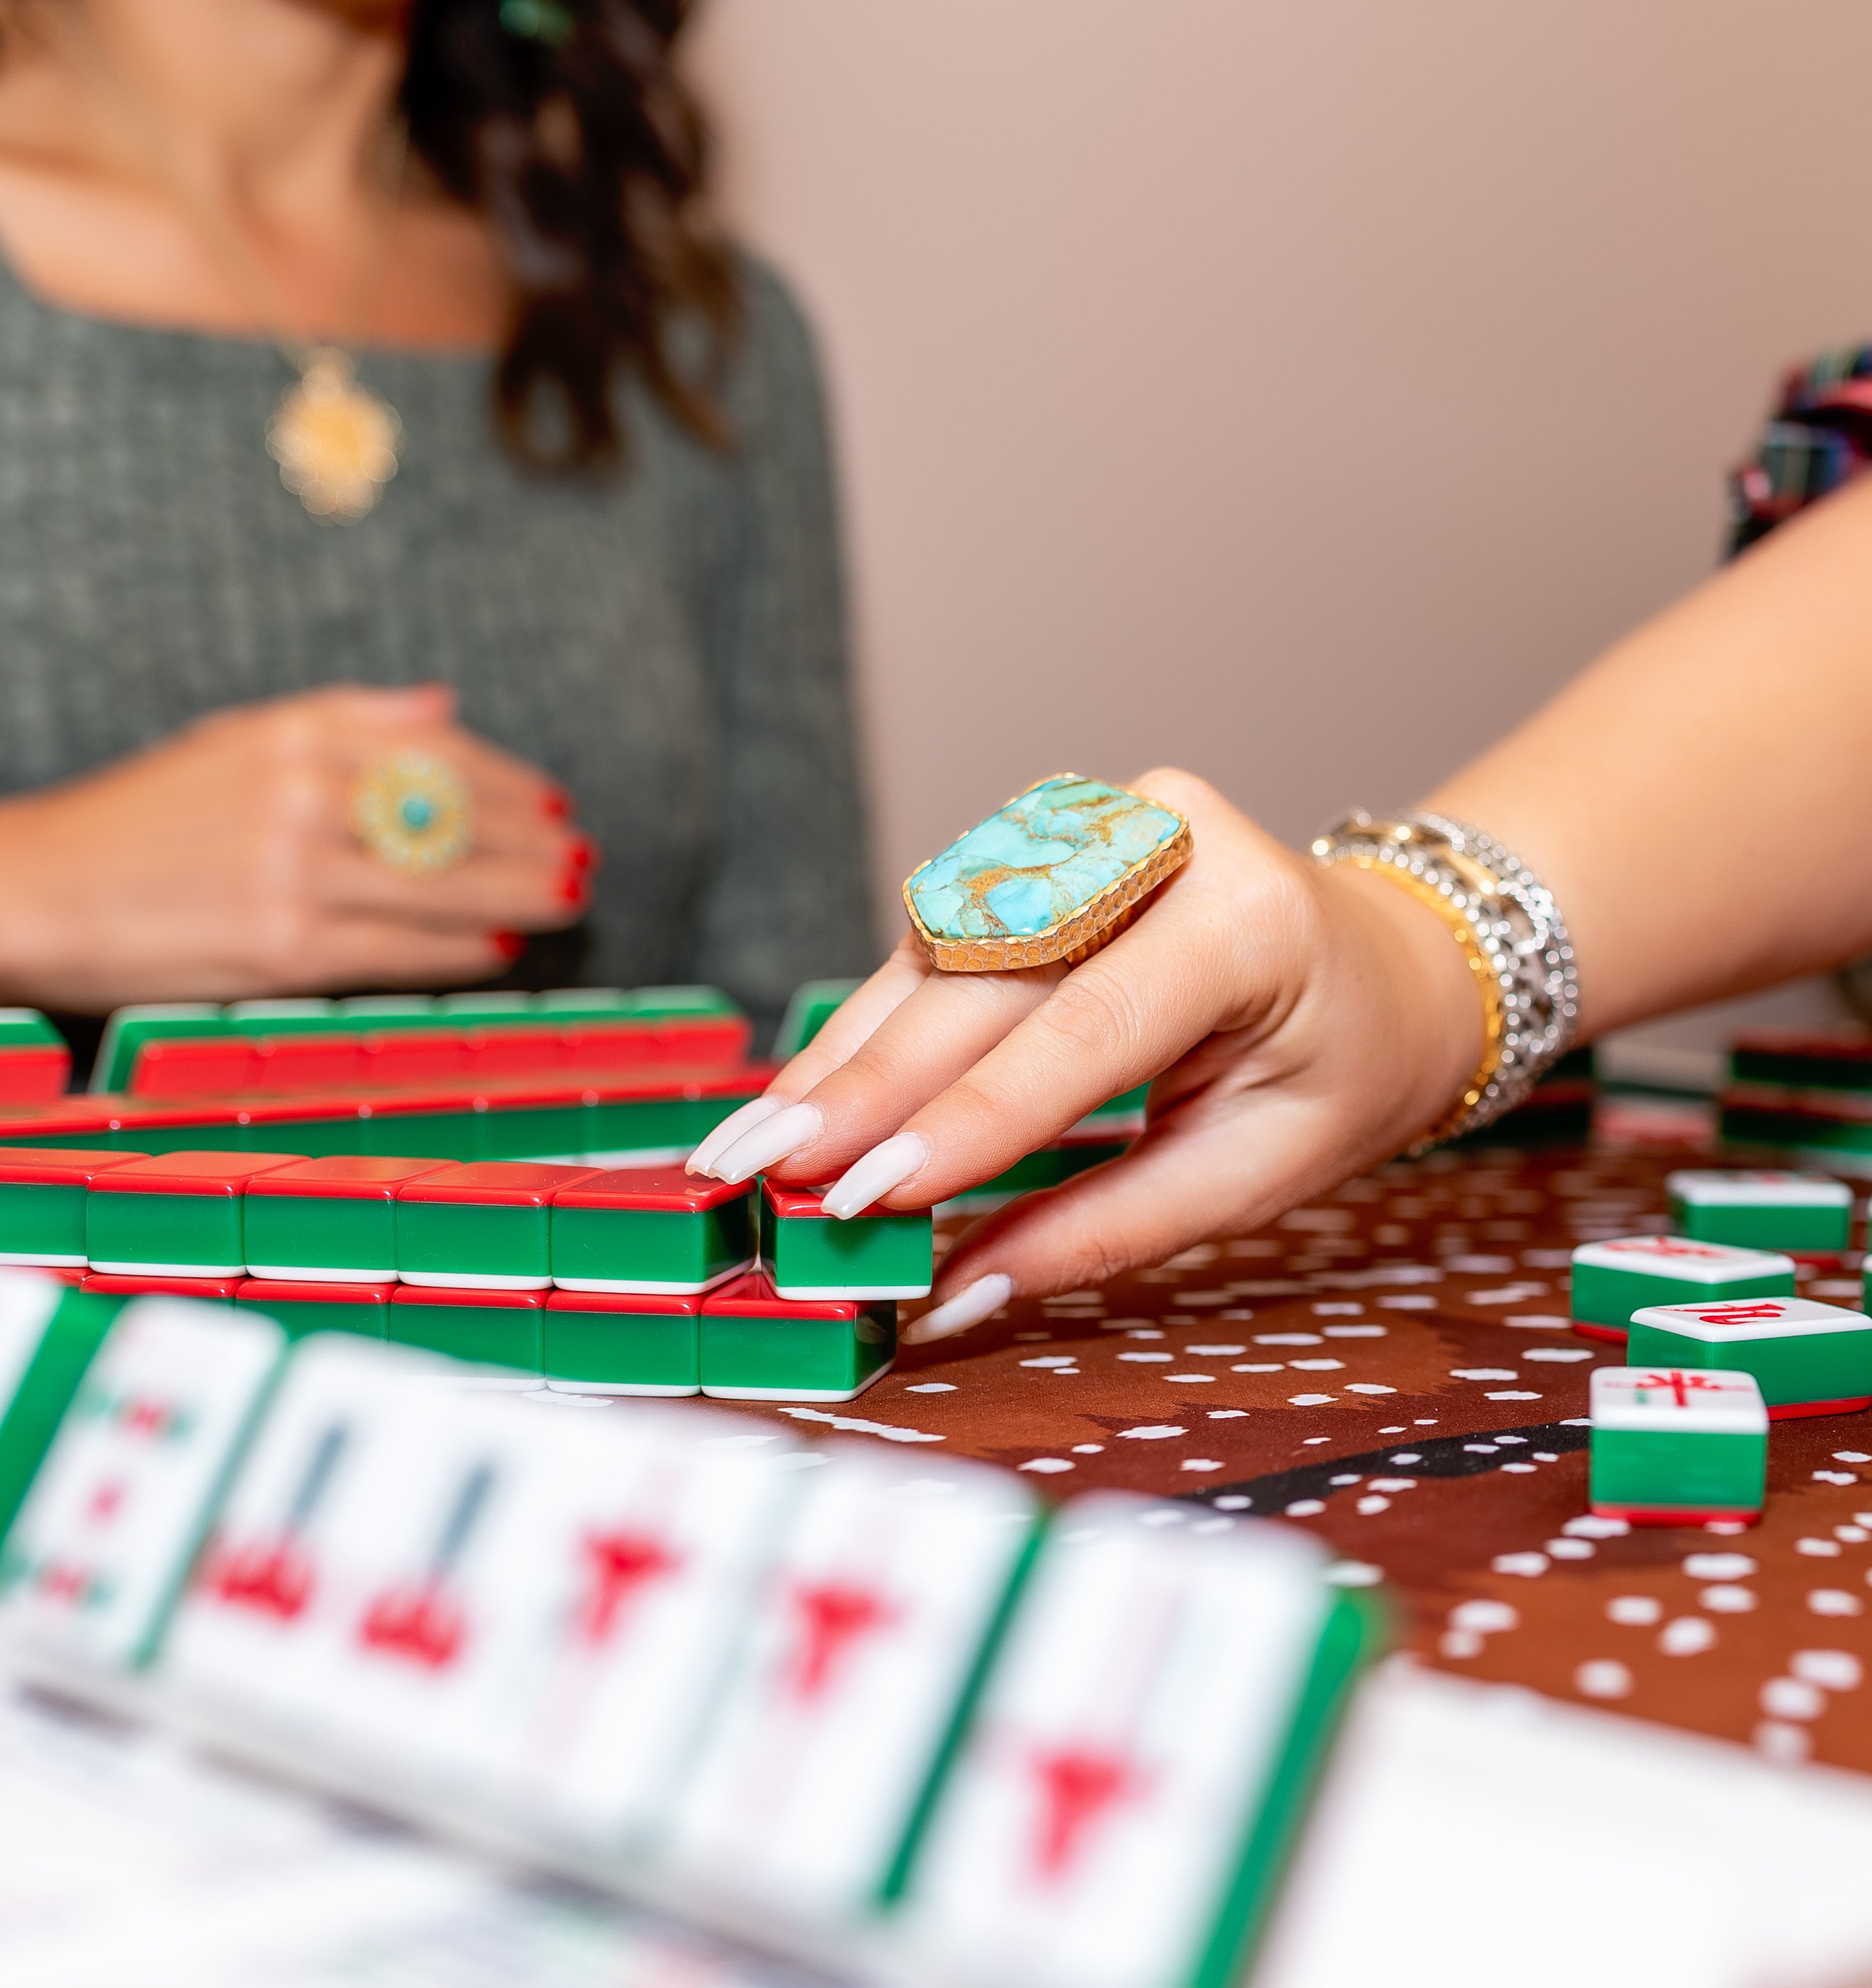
x=874, y=1174
x=771, y=1139
x=703, y=1159
x=981, y=1299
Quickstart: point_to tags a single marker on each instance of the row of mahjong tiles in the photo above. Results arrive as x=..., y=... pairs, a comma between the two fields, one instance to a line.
x=494, y=1226
x=1435, y=1440
x=184, y=1047
x=619, y=1282
x=877, y=1707
x=131, y=1033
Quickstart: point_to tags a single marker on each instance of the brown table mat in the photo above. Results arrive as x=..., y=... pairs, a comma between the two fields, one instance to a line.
x=1407, y=1414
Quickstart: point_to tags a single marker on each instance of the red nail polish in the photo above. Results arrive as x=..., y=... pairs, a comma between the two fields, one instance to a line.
x=556, y=804
x=510, y=945
x=572, y=887
x=584, y=853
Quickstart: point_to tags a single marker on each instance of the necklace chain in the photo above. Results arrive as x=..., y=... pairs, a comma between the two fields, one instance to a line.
x=335, y=442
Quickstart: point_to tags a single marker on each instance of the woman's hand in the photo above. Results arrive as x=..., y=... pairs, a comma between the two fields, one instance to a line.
x=1306, y=1023
x=219, y=862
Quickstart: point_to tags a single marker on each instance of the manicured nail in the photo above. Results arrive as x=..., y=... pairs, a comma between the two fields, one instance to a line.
x=702, y=1160
x=867, y=1179
x=573, y=886
x=979, y=1300
x=786, y=1132
x=510, y=945
x=584, y=853
x=555, y=804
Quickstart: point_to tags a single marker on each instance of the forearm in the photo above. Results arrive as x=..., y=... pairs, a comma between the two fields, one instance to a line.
x=1699, y=801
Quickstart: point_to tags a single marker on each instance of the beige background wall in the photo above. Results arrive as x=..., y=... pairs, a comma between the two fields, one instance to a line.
x=1297, y=393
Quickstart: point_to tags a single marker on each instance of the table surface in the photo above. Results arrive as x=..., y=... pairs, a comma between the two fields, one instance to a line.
x=1415, y=1396
x=1455, y=1806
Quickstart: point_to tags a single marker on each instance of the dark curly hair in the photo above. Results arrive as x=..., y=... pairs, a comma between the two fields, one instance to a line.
x=565, y=122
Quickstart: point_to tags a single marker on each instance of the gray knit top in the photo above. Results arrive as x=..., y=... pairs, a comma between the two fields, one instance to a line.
x=671, y=645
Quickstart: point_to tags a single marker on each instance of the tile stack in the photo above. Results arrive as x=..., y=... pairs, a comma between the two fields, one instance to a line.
x=606, y=1280
x=877, y=1714
x=1717, y=1343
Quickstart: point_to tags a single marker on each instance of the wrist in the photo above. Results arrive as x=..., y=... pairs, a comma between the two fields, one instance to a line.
x=1431, y=1009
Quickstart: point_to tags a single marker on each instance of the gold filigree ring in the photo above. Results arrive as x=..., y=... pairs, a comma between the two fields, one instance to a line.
x=413, y=813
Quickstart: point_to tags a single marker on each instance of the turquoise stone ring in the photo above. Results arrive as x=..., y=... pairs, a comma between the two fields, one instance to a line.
x=412, y=813
x=1054, y=874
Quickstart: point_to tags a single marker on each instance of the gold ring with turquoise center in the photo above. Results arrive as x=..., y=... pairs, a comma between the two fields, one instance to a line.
x=412, y=813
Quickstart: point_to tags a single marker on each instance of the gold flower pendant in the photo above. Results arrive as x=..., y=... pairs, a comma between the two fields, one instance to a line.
x=335, y=442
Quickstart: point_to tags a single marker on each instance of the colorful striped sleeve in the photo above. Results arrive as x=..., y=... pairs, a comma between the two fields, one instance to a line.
x=1819, y=437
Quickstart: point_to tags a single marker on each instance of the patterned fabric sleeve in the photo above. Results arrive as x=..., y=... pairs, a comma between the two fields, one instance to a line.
x=1819, y=437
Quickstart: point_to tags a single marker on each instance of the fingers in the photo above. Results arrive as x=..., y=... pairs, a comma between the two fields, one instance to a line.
x=500, y=777
x=928, y=1040
x=1182, y=971
x=850, y=1025
x=518, y=809
x=355, y=723
x=702, y=1161
x=856, y=1019
x=529, y=869
x=482, y=893
x=768, y=1138
x=985, y=1068
x=377, y=706
x=1087, y=1040
x=1217, y=1173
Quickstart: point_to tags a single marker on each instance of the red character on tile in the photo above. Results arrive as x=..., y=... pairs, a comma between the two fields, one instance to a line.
x=1078, y=1786
x=421, y=1624
x=1680, y=1383
x=621, y=1565
x=419, y=1621
x=275, y=1580
x=832, y=1617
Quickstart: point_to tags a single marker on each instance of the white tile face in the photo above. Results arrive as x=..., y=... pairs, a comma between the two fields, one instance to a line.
x=531, y=1612
x=118, y=1506
x=623, y=1579
x=882, y=1591
x=1122, y=1746
x=1676, y=1257
x=375, y=1494
x=26, y=1306
x=1761, y=1188
x=1729, y=1320
x=266, y=1626
x=1698, y=1400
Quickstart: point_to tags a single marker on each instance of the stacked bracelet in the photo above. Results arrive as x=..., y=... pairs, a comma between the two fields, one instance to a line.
x=1505, y=920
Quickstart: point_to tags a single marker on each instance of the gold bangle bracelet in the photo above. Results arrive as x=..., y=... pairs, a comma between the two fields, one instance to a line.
x=1494, y=1010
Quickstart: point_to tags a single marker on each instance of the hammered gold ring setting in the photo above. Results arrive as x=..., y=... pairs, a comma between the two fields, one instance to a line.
x=412, y=813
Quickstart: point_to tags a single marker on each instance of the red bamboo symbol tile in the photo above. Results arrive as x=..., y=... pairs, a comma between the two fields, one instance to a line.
x=622, y=1566
x=1079, y=1786
x=833, y=1617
